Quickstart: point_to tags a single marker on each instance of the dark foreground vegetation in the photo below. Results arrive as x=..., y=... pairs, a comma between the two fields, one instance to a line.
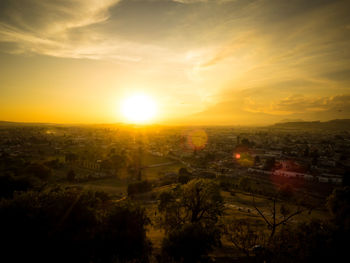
x=70, y=224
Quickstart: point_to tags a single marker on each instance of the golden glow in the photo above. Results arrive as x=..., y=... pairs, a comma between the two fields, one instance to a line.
x=197, y=139
x=139, y=108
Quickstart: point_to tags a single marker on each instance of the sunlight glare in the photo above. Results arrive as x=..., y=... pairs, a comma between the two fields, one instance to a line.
x=139, y=108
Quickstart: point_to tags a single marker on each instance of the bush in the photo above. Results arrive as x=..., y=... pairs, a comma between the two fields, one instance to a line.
x=71, y=225
x=38, y=170
x=139, y=188
x=316, y=241
x=190, y=243
x=183, y=178
x=10, y=184
x=245, y=184
x=286, y=192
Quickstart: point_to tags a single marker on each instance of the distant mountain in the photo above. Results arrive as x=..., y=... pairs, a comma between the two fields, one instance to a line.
x=291, y=120
x=339, y=124
x=10, y=123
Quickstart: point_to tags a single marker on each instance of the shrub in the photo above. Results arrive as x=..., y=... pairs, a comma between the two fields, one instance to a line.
x=190, y=243
x=71, y=225
x=139, y=187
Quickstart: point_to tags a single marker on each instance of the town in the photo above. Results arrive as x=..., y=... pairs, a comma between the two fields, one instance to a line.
x=102, y=151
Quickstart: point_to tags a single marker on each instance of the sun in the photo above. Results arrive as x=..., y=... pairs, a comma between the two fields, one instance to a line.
x=139, y=108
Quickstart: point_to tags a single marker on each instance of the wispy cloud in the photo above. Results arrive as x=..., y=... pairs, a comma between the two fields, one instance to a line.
x=49, y=27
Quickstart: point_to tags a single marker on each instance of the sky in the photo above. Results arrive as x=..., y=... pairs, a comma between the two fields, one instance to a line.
x=225, y=62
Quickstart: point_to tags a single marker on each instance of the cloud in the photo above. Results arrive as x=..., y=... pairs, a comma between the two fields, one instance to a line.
x=51, y=27
x=299, y=104
x=242, y=109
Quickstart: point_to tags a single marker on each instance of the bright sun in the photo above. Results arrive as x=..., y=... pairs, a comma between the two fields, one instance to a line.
x=139, y=108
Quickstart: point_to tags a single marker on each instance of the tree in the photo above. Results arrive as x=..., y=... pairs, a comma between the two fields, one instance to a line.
x=338, y=204
x=274, y=221
x=122, y=237
x=184, y=176
x=139, y=188
x=184, y=171
x=190, y=243
x=183, y=179
x=243, y=235
x=245, y=142
x=72, y=225
x=269, y=164
x=198, y=201
x=202, y=199
x=315, y=241
x=189, y=216
x=245, y=184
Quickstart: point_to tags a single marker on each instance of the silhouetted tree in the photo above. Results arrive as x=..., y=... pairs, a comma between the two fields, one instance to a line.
x=245, y=184
x=243, y=235
x=183, y=178
x=184, y=171
x=315, y=241
x=274, y=221
x=198, y=201
x=190, y=243
x=269, y=164
x=338, y=204
x=139, y=187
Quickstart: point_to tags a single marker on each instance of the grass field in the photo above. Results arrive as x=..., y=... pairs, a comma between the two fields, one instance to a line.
x=113, y=186
x=153, y=173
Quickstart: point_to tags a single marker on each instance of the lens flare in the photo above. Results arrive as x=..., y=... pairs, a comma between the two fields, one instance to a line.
x=197, y=139
x=243, y=156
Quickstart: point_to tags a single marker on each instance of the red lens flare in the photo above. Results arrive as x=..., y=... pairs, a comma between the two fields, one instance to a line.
x=197, y=139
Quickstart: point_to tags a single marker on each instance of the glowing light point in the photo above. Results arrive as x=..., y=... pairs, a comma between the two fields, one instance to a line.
x=139, y=109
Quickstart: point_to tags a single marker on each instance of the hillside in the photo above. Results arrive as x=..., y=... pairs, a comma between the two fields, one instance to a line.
x=340, y=124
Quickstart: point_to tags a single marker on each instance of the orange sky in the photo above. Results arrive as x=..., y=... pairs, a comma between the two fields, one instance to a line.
x=203, y=62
